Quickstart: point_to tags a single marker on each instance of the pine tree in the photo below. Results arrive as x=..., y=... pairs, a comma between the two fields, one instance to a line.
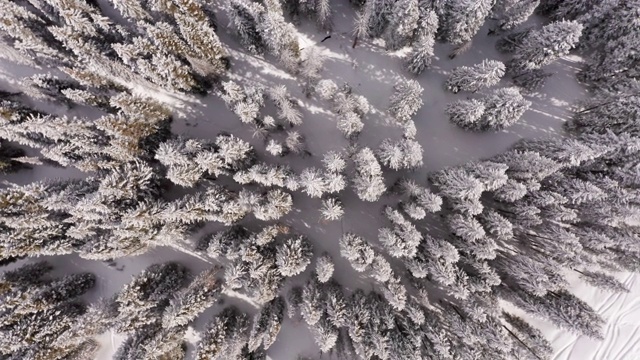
x=266, y=325
x=404, y=154
x=403, y=239
x=324, y=268
x=331, y=209
x=141, y=302
x=244, y=18
x=541, y=47
x=312, y=182
x=293, y=256
x=532, y=80
x=368, y=181
x=355, y=249
x=406, y=100
x=403, y=22
x=463, y=19
x=421, y=55
x=201, y=293
x=511, y=13
x=503, y=108
x=603, y=281
x=479, y=76
x=225, y=336
x=512, y=41
x=530, y=342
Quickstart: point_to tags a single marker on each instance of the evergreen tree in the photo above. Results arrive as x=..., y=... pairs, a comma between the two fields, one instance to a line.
x=324, y=268
x=462, y=19
x=503, y=108
x=603, y=281
x=465, y=113
x=404, y=154
x=403, y=22
x=293, y=256
x=532, y=80
x=266, y=325
x=355, y=249
x=225, y=336
x=201, y=293
x=421, y=55
x=511, y=13
x=244, y=18
x=141, y=302
x=368, y=181
x=541, y=47
x=331, y=209
x=485, y=74
x=406, y=100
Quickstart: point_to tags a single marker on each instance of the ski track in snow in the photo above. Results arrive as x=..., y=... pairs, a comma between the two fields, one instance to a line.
x=621, y=333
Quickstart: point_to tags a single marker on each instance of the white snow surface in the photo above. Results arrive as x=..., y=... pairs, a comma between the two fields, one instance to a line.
x=372, y=72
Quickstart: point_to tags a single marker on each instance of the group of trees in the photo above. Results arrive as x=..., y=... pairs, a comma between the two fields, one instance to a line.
x=505, y=228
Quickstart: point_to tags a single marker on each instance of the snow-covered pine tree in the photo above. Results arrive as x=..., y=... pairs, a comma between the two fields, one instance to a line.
x=200, y=294
x=543, y=46
x=603, y=281
x=141, y=302
x=503, y=108
x=266, y=325
x=403, y=154
x=403, y=239
x=511, y=13
x=225, y=336
x=532, y=80
x=293, y=256
x=244, y=17
x=466, y=113
x=479, y=76
x=403, y=22
x=530, y=342
x=511, y=42
x=355, y=249
x=421, y=55
x=332, y=209
x=462, y=19
x=406, y=100
x=368, y=181
x=324, y=268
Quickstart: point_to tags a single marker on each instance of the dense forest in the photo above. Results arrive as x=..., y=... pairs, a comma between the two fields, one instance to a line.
x=456, y=251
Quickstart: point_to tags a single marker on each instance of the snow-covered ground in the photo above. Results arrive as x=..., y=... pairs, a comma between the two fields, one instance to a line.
x=372, y=72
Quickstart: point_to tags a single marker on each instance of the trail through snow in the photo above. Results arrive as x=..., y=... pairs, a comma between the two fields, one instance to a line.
x=621, y=335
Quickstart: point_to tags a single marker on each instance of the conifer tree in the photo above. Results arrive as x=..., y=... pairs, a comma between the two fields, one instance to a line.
x=541, y=47
x=421, y=55
x=225, y=336
x=511, y=13
x=403, y=22
x=462, y=19
x=355, y=249
x=293, y=256
x=201, y=293
x=485, y=74
x=368, y=181
x=141, y=302
x=324, y=268
x=503, y=108
x=266, y=325
x=406, y=100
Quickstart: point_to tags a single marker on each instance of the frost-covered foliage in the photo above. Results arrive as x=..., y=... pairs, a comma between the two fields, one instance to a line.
x=406, y=100
x=541, y=47
x=368, y=181
x=495, y=112
x=476, y=77
x=506, y=228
